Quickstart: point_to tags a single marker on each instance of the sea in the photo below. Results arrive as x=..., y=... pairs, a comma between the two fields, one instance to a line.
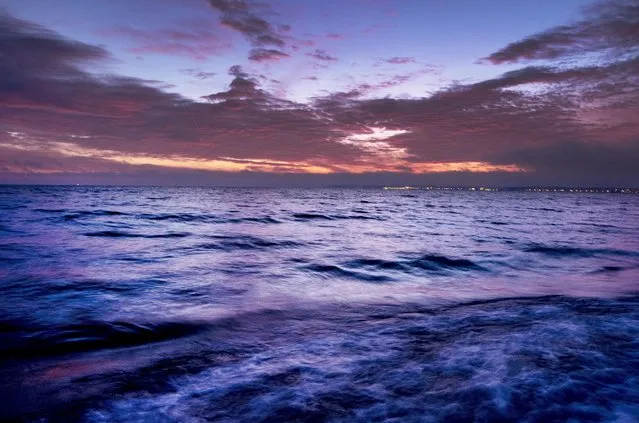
x=156, y=304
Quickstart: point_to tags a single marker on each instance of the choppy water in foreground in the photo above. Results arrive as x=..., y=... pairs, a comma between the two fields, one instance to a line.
x=192, y=305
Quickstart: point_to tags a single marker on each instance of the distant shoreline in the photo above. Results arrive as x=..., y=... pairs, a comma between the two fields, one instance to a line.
x=584, y=190
x=573, y=190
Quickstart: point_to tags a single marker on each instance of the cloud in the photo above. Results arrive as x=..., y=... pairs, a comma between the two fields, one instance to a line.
x=195, y=41
x=556, y=122
x=266, y=55
x=244, y=16
x=237, y=71
x=42, y=71
x=400, y=60
x=322, y=55
x=576, y=161
x=334, y=36
x=385, y=81
x=41, y=51
x=301, y=44
x=610, y=28
x=198, y=73
x=529, y=118
x=47, y=95
x=242, y=87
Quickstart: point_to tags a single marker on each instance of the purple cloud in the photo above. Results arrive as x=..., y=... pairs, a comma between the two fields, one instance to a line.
x=266, y=55
x=198, y=73
x=244, y=17
x=334, y=36
x=197, y=43
x=400, y=60
x=609, y=27
x=322, y=55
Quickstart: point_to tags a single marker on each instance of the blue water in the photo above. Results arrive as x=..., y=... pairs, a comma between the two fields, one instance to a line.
x=200, y=304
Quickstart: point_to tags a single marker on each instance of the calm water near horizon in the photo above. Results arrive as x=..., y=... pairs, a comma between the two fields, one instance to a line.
x=124, y=304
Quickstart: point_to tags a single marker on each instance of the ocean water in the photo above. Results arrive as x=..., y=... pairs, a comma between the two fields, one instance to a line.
x=200, y=304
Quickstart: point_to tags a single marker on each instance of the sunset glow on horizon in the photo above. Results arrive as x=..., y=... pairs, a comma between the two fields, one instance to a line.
x=231, y=164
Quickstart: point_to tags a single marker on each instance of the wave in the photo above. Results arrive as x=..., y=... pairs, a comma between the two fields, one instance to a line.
x=20, y=341
x=96, y=213
x=317, y=216
x=81, y=213
x=230, y=243
x=206, y=218
x=548, y=358
x=569, y=251
x=311, y=216
x=429, y=262
x=41, y=210
x=12, y=206
x=121, y=234
x=178, y=217
x=162, y=217
x=494, y=222
x=266, y=219
x=547, y=209
x=361, y=269
x=337, y=271
x=610, y=269
x=4, y=228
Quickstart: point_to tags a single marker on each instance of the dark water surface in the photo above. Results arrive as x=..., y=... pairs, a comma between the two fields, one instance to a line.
x=193, y=305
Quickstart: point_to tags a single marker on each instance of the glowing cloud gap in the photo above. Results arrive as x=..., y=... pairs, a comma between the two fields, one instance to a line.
x=373, y=142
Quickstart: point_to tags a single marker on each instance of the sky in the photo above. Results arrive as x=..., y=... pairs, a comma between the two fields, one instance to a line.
x=320, y=92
